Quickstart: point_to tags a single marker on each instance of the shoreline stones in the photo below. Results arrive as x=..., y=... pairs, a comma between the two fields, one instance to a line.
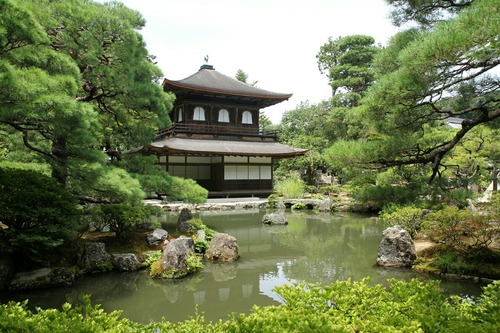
x=43, y=278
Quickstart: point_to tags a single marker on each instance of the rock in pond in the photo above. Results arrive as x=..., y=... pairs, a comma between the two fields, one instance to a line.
x=175, y=255
x=275, y=218
x=157, y=236
x=125, y=262
x=95, y=258
x=183, y=221
x=43, y=278
x=223, y=248
x=396, y=248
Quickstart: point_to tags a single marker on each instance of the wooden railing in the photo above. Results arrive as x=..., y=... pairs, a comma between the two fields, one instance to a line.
x=216, y=130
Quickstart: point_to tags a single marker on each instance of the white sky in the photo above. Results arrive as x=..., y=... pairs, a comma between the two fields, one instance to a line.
x=274, y=41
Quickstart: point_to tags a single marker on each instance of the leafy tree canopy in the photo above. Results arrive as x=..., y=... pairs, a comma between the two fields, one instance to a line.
x=447, y=72
x=77, y=80
x=346, y=61
x=425, y=12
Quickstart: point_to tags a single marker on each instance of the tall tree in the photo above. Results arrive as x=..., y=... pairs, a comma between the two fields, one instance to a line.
x=425, y=12
x=448, y=71
x=78, y=79
x=347, y=62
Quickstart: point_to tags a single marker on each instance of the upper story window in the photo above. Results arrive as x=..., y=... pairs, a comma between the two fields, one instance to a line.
x=199, y=113
x=246, y=117
x=179, y=115
x=223, y=116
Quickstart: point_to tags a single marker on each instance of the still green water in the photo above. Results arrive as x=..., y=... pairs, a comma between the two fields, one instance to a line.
x=312, y=247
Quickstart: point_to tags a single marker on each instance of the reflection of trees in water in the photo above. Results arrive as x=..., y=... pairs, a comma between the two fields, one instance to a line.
x=336, y=250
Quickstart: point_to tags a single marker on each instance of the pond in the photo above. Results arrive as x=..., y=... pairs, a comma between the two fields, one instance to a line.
x=312, y=247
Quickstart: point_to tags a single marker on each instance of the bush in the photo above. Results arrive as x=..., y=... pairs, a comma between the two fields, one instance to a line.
x=272, y=200
x=460, y=228
x=201, y=245
x=290, y=188
x=39, y=214
x=187, y=190
x=329, y=189
x=120, y=218
x=343, y=306
x=408, y=218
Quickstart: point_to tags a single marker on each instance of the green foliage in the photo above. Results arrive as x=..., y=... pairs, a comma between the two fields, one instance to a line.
x=39, y=213
x=187, y=190
x=155, y=257
x=272, y=200
x=153, y=180
x=371, y=197
x=16, y=317
x=290, y=188
x=347, y=63
x=425, y=12
x=475, y=261
x=329, y=189
x=194, y=264
x=77, y=78
x=451, y=262
x=461, y=228
x=299, y=206
x=200, y=245
x=344, y=306
x=408, y=218
x=120, y=218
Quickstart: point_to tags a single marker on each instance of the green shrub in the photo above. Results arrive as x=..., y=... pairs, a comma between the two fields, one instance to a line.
x=461, y=228
x=155, y=257
x=299, y=206
x=290, y=188
x=451, y=262
x=272, y=200
x=39, y=214
x=121, y=218
x=201, y=245
x=408, y=218
x=329, y=189
x=187, y=190
x=343, y=306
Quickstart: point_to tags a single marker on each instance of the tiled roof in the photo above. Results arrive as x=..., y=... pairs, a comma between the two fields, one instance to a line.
x=206, y=146
x=208, y=80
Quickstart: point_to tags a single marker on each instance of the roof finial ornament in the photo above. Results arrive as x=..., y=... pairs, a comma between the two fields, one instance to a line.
x=206, y=59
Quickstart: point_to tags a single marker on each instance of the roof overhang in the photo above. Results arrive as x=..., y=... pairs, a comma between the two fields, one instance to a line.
x=214, y=147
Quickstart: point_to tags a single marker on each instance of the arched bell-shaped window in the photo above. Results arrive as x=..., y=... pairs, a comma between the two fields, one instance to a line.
x=180, y=115
x=246, y=117
x=199, y=113
x=223, y=116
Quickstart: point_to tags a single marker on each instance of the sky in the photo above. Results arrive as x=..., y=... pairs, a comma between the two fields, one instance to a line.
x=274, y=42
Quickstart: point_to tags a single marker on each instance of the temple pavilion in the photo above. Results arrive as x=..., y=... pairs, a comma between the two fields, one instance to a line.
x=215, y=137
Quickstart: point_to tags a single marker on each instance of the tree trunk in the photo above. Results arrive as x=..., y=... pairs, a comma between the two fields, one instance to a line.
x=59, y=165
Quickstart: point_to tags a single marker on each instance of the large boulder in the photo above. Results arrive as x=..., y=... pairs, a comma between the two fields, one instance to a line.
x=175, y=255
x=183, y=221
x=275, y=218
x=125, y=262
x=223, y=248
x=157, y=236
x=95, y=258
x=43, y=278
x=396, y=248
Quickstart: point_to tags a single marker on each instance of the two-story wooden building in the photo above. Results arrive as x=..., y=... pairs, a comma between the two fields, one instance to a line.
x=216, y=138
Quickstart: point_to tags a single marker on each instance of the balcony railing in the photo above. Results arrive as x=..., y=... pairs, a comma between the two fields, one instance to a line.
x=216, y=130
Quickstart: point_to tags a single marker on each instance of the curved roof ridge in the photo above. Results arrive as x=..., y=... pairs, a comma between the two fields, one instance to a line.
x=208, y=79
